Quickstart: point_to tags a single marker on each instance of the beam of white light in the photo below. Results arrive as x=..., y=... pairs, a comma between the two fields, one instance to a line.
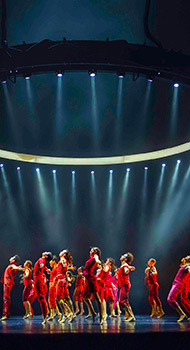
x=123, y=199
x=133, y=158
x=159, y=191
x=173, y=217
x=174, y=113
x=119, y=110
x=94, y=111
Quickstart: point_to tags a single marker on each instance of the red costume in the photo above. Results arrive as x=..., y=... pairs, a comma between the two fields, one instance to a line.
x=100, y=278
x=151, y=273
x=179, y=283
x=77, y=295
x=39, y=284
x=8, y=283
x=124, y=285
x=90, y=285
x=52, y=289
x=115, y=289
x=108, y=287
x=62, y=289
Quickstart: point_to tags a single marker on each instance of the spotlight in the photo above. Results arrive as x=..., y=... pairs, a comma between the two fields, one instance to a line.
x=159, y=73
x=1, y=165
x=176, y=85
x=73, y=172
x=163, y=165
x=3, y=81
x=18, y=167
x=145, y=168
x=27, y=76
x=121, y=74
x=59, y=74
x=128, y=169
x=37, y=169
x=92, y=73
x=92, y=172
x=150, y=77
x=178, y=161
x=111, y=171
x=54, y=171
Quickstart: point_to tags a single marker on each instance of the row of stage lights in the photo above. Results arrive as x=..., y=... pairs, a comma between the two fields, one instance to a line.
x=92, y=171
x=92, y=74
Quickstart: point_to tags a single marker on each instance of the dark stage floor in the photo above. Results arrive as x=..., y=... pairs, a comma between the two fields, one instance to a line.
x=114, y=333
x=143, y=324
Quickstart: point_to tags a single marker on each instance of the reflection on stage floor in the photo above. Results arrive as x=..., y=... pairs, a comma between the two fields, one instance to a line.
x=143, y=324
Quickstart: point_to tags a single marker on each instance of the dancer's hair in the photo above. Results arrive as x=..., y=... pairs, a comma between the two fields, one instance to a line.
x=97, y=251
x=128, y=257
x=15, y=259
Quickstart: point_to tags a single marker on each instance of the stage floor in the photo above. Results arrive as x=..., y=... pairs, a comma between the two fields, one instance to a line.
x=143, y=324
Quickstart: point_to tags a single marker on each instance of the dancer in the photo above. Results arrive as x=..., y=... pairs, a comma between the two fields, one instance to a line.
x=52, y=290
x=186, y=288
x=77, y=295
x=110, y=264
x=153, y=286
x=125, y=285
x=115, y=291
x=180, y=279
x=8, y=282
x=39, y=284
x=90, y=286
x=28, y=292
x=61, y=280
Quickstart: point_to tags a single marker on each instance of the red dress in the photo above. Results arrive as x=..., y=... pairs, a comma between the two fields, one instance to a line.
x=100, y=277
x=153, y=286
x=39, y=284
x=77, y=295
x=62, y=288
x=52, y=289
x=28, y=286
x=90, y=285
x=108, y=287
x=124, y=285
x=8, y=283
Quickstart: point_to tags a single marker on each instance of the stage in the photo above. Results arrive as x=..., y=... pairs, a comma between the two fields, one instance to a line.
x=114, y=333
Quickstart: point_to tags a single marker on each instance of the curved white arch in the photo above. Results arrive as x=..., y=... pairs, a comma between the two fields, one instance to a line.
x=133, y=158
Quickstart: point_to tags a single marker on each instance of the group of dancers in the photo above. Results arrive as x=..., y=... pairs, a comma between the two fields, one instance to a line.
x=100, y=287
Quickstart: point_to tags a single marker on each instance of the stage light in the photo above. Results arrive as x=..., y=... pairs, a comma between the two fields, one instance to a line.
x=3, y=81
x=163, y=165
x=37, y=169
x=54, y=171
x=150, y=80
x=92, y=172
x=27, y=76
x=159, y=73
x=1, y=165
x=178, y=161
x=18, y=167
x=111, y=171
x=145, y=168
x=73, y=172
x=176, y=85
x=92, y=73
x=121, y=74
x=128, y=169
x=59, y=74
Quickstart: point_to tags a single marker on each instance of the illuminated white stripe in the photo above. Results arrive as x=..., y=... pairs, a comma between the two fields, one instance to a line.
x=140, y=157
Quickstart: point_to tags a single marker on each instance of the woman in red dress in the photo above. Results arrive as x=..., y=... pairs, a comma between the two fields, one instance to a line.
x=29, y=293
x=77, y=295
x=125, y=285
x=153, y=286
x=8, y=283
x=90, y=286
